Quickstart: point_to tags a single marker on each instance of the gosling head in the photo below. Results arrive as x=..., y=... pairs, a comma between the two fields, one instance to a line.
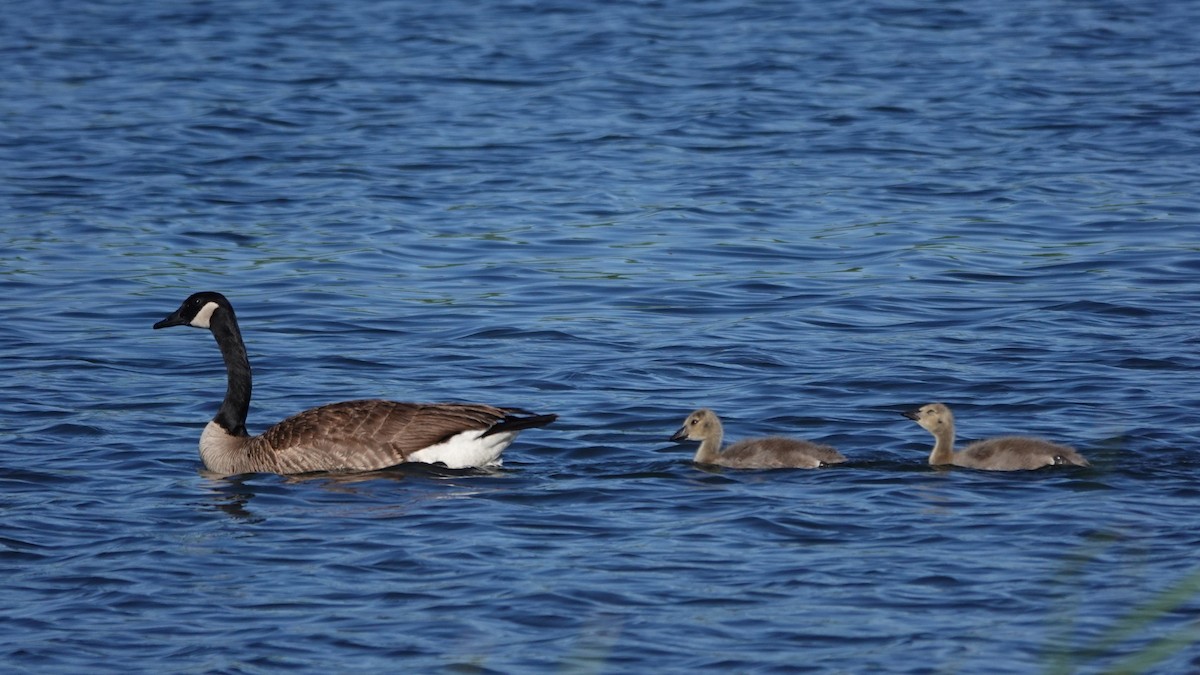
x=197, y=310
x=698, y=426
x=935, y=418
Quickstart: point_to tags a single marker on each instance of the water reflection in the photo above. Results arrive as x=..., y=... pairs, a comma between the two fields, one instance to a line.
x=232, y=495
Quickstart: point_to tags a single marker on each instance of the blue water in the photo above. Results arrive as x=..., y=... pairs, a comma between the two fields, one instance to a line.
x=808, y=216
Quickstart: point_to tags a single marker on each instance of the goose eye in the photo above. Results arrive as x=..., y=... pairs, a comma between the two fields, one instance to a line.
x=694, y=421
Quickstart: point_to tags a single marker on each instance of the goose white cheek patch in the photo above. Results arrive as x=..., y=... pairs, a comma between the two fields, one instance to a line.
x=204, y=315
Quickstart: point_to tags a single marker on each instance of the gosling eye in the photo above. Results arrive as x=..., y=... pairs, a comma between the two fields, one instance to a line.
x=693, y=421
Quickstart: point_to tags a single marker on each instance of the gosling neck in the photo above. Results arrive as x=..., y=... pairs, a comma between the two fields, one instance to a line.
x=232, y=415
x=943, y=446
x=710, y=447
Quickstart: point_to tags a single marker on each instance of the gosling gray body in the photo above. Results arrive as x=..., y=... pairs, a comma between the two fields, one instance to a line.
x=775, y=452
x=362, y=435
x=1004, y=453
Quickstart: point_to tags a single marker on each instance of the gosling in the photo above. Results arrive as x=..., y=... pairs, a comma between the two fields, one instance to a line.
x=775, y=452
x=1005, y=453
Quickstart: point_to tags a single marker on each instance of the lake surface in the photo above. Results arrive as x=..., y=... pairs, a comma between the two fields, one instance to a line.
x=807, y=216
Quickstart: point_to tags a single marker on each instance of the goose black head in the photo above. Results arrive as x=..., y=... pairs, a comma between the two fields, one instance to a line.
x=196, y=311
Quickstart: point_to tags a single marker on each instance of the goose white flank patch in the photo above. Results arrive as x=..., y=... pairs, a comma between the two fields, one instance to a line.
x=775, y=452
x=1005, y=453
x=350, y=436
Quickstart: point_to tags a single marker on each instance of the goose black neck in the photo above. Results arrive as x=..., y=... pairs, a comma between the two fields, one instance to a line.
x=235, y=407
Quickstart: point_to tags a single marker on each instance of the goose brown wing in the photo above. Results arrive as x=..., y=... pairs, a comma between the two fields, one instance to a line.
x=370, y=434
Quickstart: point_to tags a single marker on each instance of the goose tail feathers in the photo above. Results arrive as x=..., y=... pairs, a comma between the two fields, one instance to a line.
x=517, y=420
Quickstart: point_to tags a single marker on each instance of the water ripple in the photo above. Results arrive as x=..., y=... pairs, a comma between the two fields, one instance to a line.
x=809, y=217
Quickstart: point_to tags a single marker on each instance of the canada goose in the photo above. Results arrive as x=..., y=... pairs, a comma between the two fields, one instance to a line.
x=775, y=452
x=1006, y=453
x=359, y=435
